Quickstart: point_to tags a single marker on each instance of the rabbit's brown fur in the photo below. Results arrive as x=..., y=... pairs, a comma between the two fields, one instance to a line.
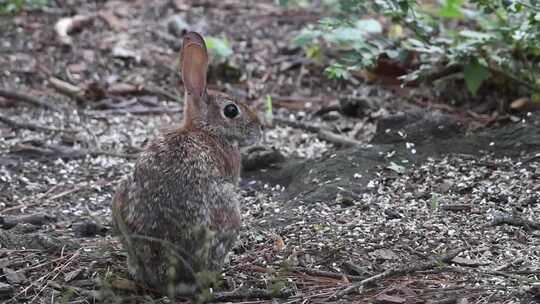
x=177, y=214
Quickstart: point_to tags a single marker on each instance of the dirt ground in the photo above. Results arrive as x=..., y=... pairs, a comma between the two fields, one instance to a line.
x=74, y=113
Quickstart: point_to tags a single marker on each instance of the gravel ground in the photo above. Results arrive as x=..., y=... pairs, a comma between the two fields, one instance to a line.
x=454, y=229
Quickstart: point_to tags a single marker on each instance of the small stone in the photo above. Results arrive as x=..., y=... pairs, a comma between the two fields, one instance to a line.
x=392, y=214
x=13, y=277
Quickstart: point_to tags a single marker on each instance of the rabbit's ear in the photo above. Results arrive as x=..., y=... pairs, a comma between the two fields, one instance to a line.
x=194, y=64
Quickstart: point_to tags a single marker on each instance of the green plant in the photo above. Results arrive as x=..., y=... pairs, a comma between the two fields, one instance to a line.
x=480, y=39
x=13, y=6
x=434, y=203
x=220, y=48
x=293, y=2
x=269, y=114
x=67, y=295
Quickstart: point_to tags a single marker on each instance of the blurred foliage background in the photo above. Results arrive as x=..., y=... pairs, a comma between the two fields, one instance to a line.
x=480, y=41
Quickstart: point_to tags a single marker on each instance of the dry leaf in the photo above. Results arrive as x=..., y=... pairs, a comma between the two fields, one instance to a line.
x=524, y=104
x=66, y=25
x=279, y=244
x=123, y=284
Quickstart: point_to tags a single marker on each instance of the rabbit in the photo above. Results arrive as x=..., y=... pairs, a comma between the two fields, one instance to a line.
x=177, y=215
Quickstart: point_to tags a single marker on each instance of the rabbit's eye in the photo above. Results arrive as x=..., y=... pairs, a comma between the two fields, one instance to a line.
x=231, y=111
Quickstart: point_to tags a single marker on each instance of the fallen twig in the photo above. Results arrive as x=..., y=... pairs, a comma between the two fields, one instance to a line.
x=30, y=126
x=527, y=272
x=531, y=159
x=297, y=125
x=456, y=298
x=92, y=294
x=456, y=207
x=27, y=99
x=508, y=275
x=395, y=272
x=321, y=133
x=137, y=110
x=507, y=265
x=531, y=87
x=514, y=220
x=66, y=152
x=295, y=102
x=37, y=219
x=251, y=294
x=124, y=89
x=328, y=274
x=56, y=271
x=68, y=89
x=338, y=139
x=96, y=92
x=441, y=73
x=44, y=198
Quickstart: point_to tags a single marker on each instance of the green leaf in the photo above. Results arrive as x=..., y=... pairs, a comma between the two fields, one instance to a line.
x=337, y=71
x=219, y=47
x=477, y=35
x=421, y=47
x=305, y=37
x=474, y=74
x=315, y=53
x=343, y=35
x=269, y=111
x=12, y=6
x=351, y=34
x=451, y=9
x=67, y=295
x=371, y=26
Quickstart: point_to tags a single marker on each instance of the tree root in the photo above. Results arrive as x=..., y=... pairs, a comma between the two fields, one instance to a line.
x=395, y=272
